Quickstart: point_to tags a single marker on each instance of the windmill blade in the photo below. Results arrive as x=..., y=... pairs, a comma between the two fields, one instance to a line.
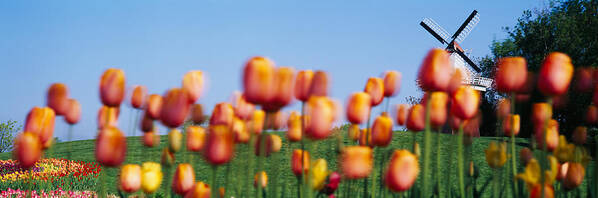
x=466, y=27
x=433, y=28
x=469, y=61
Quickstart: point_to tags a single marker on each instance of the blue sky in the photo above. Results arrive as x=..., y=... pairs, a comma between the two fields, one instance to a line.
x=156, y=42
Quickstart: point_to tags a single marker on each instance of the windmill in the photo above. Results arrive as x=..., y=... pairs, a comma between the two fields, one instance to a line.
x=458, y=56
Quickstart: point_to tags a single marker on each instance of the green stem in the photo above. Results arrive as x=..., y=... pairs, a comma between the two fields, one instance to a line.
x=367, y=143
x=262, y=155
x=227, y=178
x=302, y=176
x=427, y=145
x=513, y=151
x=68, y=155
x=495, y=190
x=460, y=162
x=213, y=181
x=438, y=142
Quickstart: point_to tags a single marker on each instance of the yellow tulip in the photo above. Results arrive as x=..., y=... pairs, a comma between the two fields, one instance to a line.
x=564, y=151
x=496, y=154
x=151, y=177
x=319, y=172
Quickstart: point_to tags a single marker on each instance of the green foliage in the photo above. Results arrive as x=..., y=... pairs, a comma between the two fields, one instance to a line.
x=8, y=129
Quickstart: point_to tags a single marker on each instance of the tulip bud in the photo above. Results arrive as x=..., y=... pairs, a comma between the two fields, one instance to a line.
x=392, y=83
x=575, y=174
x=276, y=143
x=27, y=149
x=354, y=132
x=296, y=161
x=243, y=109
x=402, y=171
x=435, y=72
x=303, y=84
x=382, y=131
x=550, y=135
x=184, y=178
x=319, y=84
x=320, y=116
x=276, y=120
x=294, y=127
x=365, y=138
x=240, y=131
x=416, y=118
x=111, y=147
x=465, y=102
x=130, y=178
x=455, y=82
x=580, y=135
x=333, y=180
x=503, y=108
x=282, y=89
x=175, y=108
x=583, y=79
x=222, y=114
x=193, y=84
x=511, y=74
x=154, y=106
x=58, y=95
x=438, y=103
x=175, y=137
x=40, y=121
x=138, y=97
x=258, y=80
x=219, y=146
x=150, y=139
x=375, y=88
x=167, y=157
x=525, y=155
x=73, y=114
x=496, y=154
x=401, y=114
x=319, y=172
x=147, y=124
x=358, y=107
x=257, y=121
x=356, y=161
x=540, y=113
x=262, y=177
x=107, y=117
x=112, y=87
x=511, y=124
x=196, y=137
x=200, y=190
x=555, y=74
x=592, y=114
x=537, y=191
x=151, y=177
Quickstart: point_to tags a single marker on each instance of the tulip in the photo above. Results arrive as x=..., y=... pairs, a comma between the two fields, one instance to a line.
x=196, y=137
x=503, y=108
x=564, y=151
x=257, y=121
x=150, y=139
x=382, y=131
x=222, y=114
x=592, y=114
x=73, y=114
x=496, y=154
x=240, y=131
x=294, y=133
x=258, y=80
x=58, y=96
x=197, y=114
x=560, y=101
x=167, y=157
x=27, y=149
x=282, y=90
x=138, y=97
x=40, y=121
x=555, y=74
x=435, y=72
x=402, y=171
x=319, y=172
x=147, y=124
x=333, y=180
x=276, y=143
x=193, y=84
x=375, y=88
x=537, y=191
x=358, y=107
x=455, y=82
x=219, y=146
x=583, y=79
x=175, y=137
x=525, y=155
x=580, y=135
x=184, y=178
x=303, y=84
x=551, y=174
x=112, y=87
x=455, y=122
x=154, y=106
x=175, y=108
x=392, y=83
x=364, y=135
x=262, y=177
x=540, y=113
x=267, y=145
x=276, y=120
x=320, y=116
x=550, y=134
x=243, y=109
x=595, y=96
x=511, y=74
x=356, y=161
x=319, y=84
x=416, y=118
x=465, y=102
x=575, y=174
x=151, y=177
x=130, y=178
x=107, y=117
x=562, y=171
x=471, y=127
x=511, y=124
x=200, y=190
x=296, y=163
x=354, y=132
x=438, y=102
x=222, y=191
x=111, y=147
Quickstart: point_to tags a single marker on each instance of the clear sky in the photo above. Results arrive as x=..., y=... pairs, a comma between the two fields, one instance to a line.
x=156, y=42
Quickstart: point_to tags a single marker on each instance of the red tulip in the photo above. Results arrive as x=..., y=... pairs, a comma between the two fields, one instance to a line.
x=107, y=117
x=375, y=88
x=550, y=135
x=537, y=191
x=438, y=103
x=146, y=124
x=258, y=80
x=592, y=114
x=525, y=155
x=40, y=121
x=199, y=190
x=27, y=149
x=382, y=131
x=296, y=161
x=333, y=180
x=319, y=84
x=358, y=107
x=58, y=95
x=282, y=89
x=583, y=79
x=416, y=118
x=365, y=138
x=555, y=74
x=138, y=97
x=303, y=84
x=455, y=82
x=243, y=109
x=294, y=133
x=73, y=114
x=219, y=145
x=222, y=114
x=197, y=114
x=511, y=124
x=277, y=120
x=193, y=84
x=154, y=106
x=511, y=74
x=575, y=175
x=401, y=114
x=465, y=102
x=356, y=161
x=503, y=109
x=435, y=72
x=111, y=147
x=320, y=116
x=150, y=139
x=130, y=178
x=240, y=131
x=196, y=137
x=266, y=145
x=184, y=178
x=174, y=108
x=402, y=171
x=392, y=83
x=112, y=87
x=455, y=122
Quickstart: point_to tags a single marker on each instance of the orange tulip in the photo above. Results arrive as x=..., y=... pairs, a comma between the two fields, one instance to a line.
x=375, y=88
x=167, y=157
x=402, y=171
x=197, y=114
x=550, y=136
x=296, y=161
x=150, y=139
x=455, y=82
x=580, y=135
x=319, y=84
x=262, y=177
x=382, y=130
x=354, y=132
x=555, y=74
x=154, y=106
x=303, y=84
x=583, y=79
x=222, y=114
x=276, y=143
x=196, y=137
x=267, y=145
x=510, y=74
x=222, y=192
x=258, y=80
x=73, y=114
x=257, y=121
x=365, y=134
x=138, y=97
x=130, y=178
x=199, y=190
x=465, y=102
x=575, y=175
x=184, y=178
x=175, y=137
x=219, y=146
x=282, y=89
x=243, y=109
x=320, y=116
x=401, y=114
x=112, y=87
x=193, y=84
x=416, y=118
x=175, y=108
x=27, y=149
x=40, y=121
x=503, y=108
x=392, y=83
x=294, y=127
x=435, y=72
x=107, y=117
x=240, y=131
x=356, y=161
x=111, y=147
x=540, y=113
x=58, y=95
x=537, y=191
x=276, y=120
x=358, y=107
x=438, y=103
x=511, y=123
x=146, y=124
x=592, y=114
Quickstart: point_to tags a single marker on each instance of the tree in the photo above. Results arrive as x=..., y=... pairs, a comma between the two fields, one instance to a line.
x=8, y=129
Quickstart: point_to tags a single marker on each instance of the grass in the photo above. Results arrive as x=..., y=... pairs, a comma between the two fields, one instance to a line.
x=326, y=149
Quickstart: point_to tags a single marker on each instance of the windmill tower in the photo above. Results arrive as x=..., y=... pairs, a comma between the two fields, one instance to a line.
x=458, y=56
